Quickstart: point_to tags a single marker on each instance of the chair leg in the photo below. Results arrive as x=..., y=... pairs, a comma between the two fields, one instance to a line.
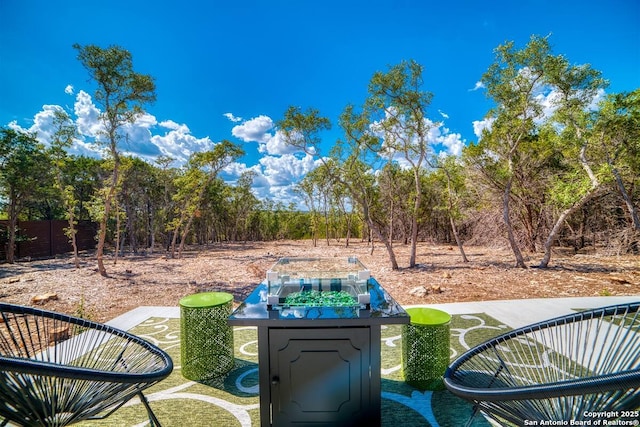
x=476, y=409
x=152, y=417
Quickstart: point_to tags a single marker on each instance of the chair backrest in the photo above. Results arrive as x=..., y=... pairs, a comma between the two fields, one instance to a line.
x=588, y=359
x=44, y=355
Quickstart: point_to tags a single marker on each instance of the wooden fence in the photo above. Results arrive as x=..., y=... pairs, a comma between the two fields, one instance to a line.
x=43, y=239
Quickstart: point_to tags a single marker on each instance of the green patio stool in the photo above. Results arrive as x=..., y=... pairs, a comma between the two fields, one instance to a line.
x=206, y=339
x=426, y=348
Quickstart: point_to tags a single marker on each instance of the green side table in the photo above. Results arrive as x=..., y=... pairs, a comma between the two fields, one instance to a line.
x=426, y=348
x=206, y=339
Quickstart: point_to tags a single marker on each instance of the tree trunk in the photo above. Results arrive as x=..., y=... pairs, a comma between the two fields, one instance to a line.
x=346, y=244
x=385, y=241
x=72, y=236
x=507, y=221
x=633, y=212
x=454, y=230
x=13, y=224
x=558, y=225
x=102, y=233
x=117, y=242
x=152, y=234
x=174, y=238
x=414, y=221
x=414, y=241
x=326, y=220
x=387, y=244
x=183, y=238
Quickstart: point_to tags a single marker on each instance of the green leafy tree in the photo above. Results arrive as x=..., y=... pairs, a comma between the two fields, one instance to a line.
x=302, y=130
x=162, y=212
x=317, y=188
x=358, y=156
x=450, y=172
x=617, y=130
x=203, y=168
x=512, y=82
x=242, y=205
x=309, y=192
x=577, y=86
x=121, y=94
x=23, y=165
x=341, y=203
x=397, y=106
x=141, y=196
x=63, y=135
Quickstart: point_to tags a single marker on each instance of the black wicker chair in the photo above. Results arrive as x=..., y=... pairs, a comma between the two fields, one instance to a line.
x=561, y=369
x=57, y=369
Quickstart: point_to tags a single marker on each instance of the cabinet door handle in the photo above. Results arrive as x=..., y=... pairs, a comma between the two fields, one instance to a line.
x=275, y=380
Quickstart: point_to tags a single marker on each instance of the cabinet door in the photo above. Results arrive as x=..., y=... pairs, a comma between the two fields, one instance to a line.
x=320, y=376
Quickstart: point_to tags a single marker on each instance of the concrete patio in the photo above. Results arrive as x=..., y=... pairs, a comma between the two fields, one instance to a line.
x=514, y=313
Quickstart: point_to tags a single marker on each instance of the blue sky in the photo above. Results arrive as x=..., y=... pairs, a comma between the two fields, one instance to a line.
x=228, y=70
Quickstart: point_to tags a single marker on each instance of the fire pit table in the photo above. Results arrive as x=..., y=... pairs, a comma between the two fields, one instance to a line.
x=318, y=326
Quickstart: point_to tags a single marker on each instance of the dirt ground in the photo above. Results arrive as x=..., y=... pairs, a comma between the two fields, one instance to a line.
x=439, y=277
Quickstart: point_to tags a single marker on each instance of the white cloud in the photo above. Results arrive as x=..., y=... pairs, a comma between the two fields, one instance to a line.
x=43, y=122
x=259, y=130
x=453, y=143
x=139, y=140
x=599, y=97
x=254, y=130
x=170, y=124
x=232, y=118
x=42, y=125
x=479, y=85
x=480, y=125
x=277, y=145
x=549, y=103
x=87, y=115
x=179, y=143
x=69, y=90
x=444, y=115
x=275, y=177
x=285, y=169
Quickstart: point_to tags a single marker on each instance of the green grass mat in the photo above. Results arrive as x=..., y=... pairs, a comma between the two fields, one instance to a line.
x=232, y=400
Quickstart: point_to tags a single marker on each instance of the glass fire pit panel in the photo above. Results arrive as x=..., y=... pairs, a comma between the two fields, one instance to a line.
x=318, y=282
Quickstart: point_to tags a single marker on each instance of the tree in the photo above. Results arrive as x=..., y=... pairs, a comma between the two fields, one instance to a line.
x=397, y=105
x=342, y=201
x=141, y=195
x=121, y=94
x=356, y=157
x=617, y=130
x=309, y=192
x=512, y=82
x=302, y=131
x=64, y=133
x=449, y=170
x=162, y=211
x=242, y=204
x=203, y=168
x=577, y=86
x=19, y=152
x=316, y=188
